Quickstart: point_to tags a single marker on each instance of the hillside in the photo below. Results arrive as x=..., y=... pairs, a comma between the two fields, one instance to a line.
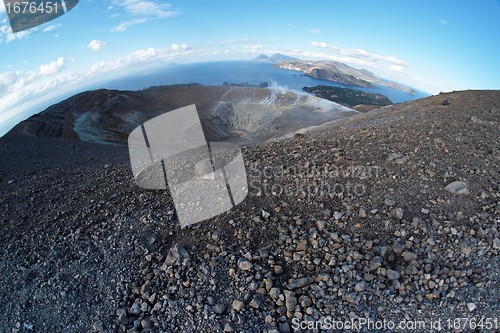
x=244, y=115
x=340, y=73
x=389, y=215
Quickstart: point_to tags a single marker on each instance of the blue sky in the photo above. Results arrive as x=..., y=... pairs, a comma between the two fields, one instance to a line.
x=430, y=45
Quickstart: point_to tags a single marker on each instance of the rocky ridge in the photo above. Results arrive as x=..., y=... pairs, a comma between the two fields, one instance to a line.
x=340, y=73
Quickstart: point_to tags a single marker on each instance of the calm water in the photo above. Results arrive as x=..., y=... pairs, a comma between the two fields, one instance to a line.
x=216, y=73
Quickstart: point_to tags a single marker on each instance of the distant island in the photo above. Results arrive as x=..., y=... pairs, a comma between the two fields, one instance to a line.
x=332, y=71
x=275, y=58
x=247, y=85
x=351, y=98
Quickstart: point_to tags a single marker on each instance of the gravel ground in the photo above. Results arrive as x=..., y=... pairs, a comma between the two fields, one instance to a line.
x=388, y=217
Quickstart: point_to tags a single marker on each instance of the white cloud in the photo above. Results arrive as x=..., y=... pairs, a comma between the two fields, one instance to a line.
x=141, y=12
x=96, y=68
x=397, y=68
x=235, y=41
x=10, y=81
x=314, y=31
x=52, y=68
x=125, y=24
x=2, y=7
x=253, y=47
x=147, y=8
x=319, y=44
x=144, y=54
x=361, y=57
x=51, y=28
x=7, y=34
x=177, y=47
x=96, y=45
x=443, y=22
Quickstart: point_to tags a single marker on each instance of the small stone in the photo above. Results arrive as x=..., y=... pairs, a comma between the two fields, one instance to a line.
x=176, y=255
x=245, y=265
x=369, y=277
x=122, y=316
x=146, y=323
x=301, y=246
x=300, y=283
x=465, y=249
x=393, y=156
x=210, y=300
x=229, y=327
x=135, y=309
x=274, y=293
x=265, y=214
x=284, y=328
x=471, y=306
x=425, y=211
x=458, y=188
x=398, y=213
x=360, y=287
x=320, y=225
x=337, y=215
x=392, y=274
x=290, y=300
x=254, y=304
x=219, y=308
x=496, y=244
x=238, y=305
x=375, y=263
x=409, y=256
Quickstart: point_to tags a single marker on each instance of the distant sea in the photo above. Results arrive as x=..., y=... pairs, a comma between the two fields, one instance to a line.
x=216, y=73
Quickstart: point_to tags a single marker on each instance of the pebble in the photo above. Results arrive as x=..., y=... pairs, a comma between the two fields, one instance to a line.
x=471, y=306
x=219, y=308
x=392, y=274
x=360, y=286
x=245, y=265
x=398, y=213
x=458, y=188
x=230, y=327
x=238, y=305
x=290, y=300
x=135, y=309
x=176, y=255
x=299, y=283
x=409, y=256
x=465, y=249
